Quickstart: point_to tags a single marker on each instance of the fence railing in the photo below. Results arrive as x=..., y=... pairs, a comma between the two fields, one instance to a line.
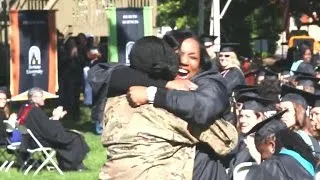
x=131, y=3
x=36, y=4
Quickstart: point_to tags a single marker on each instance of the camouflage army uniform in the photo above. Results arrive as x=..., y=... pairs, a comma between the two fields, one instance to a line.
x=146, y=143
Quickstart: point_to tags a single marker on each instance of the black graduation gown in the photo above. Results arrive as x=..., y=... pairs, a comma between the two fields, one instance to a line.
x=239, y=155
x=70, y=83
x=3, y=132
x=279, y=167
x=207, y=164
x=200, y=107
x=71, y=147
x=234, y=77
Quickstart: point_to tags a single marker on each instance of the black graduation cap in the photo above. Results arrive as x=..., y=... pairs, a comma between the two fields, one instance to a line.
x=304, y=80
x=229, y=47
x=254, y=102
x=317, y=96
x=317, y=100
x=268, y=72
x=268, y=126
x=297, y=96
x=282, y=66
x=207, y=40
x=244, y=89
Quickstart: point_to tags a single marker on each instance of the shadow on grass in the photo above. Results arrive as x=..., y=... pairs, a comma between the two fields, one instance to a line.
x=84, y=124
x=83, y=127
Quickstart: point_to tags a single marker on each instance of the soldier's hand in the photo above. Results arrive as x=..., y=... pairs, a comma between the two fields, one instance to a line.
x=137, y=96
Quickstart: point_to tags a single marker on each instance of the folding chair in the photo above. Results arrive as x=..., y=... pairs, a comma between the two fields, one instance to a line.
x=12, y=147
x=10, y=125
x=241, y=171
x=46, y=154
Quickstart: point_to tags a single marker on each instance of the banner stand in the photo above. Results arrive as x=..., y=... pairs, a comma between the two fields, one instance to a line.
x=33, y=53
x=127, y=25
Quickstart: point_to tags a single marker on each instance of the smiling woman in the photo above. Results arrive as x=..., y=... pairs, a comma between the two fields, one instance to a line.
x=189, y=59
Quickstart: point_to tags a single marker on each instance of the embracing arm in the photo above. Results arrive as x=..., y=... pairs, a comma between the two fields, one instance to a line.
x=200, y=106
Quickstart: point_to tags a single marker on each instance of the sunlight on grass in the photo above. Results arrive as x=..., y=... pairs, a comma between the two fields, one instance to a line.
x=94, y=160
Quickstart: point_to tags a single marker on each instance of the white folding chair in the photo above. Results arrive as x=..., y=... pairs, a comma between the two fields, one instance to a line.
x=10, y=125
x=241, y=170
x=47, y=153
x=12, y=147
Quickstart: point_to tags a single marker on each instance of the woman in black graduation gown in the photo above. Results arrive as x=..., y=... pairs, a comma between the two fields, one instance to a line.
x=201, y=107
x=252, y=112
x=71, y=147
x=285, y=154
x=71, y=79
x=230, y=68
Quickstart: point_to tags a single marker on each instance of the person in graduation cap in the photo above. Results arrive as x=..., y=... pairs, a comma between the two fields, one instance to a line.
x=315, y=113
x=315, y=116
x=307, y=83
x=251, y=113
x=266, y=74
x=296, y=103
x=237, y=92
x=208, y=42
x=230, y=68
x=284, y=153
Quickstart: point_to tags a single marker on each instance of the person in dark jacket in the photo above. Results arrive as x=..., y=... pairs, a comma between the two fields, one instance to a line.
x=285, y=154
x=198, y=107
x=71, y=147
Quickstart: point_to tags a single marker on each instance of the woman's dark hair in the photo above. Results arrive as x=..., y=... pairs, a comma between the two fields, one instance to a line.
x=302, y=48
x=154, y=57
x=6, y=109
x=70, y=44
x=175, y=37
x=290, y=140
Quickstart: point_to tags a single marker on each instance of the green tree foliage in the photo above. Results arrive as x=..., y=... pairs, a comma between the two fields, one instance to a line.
x=243, y=21
x=178, y=13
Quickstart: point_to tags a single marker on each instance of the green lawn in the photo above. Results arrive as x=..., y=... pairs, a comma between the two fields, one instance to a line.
x=93, y=161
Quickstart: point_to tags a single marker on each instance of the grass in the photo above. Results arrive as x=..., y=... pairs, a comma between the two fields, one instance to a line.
x=93, y=161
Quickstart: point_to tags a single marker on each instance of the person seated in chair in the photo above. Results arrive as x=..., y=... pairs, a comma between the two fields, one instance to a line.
x=5, y=114
x=70, y=147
